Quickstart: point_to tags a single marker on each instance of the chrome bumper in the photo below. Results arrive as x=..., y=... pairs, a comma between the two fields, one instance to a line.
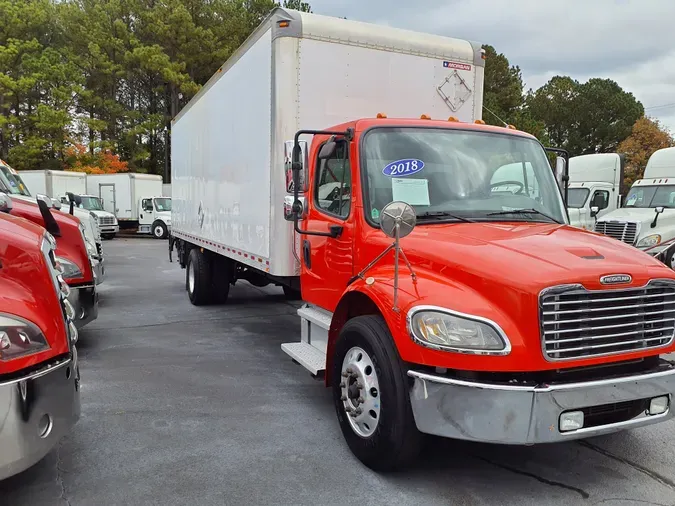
x=109, y=229
x=509, y=414
x=84, y=300
x=35, y=413
x=99, y=269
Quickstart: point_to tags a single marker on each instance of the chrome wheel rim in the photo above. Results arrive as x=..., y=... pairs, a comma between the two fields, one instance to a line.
x=191, y=277
x=158, y=231
x=360, y=392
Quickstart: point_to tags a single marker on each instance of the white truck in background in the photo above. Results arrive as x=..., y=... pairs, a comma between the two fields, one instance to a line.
x=12, y=182
x=166, y=190
x=56, y=184
x=136, y=200
x=647, y=218
x=594, y=187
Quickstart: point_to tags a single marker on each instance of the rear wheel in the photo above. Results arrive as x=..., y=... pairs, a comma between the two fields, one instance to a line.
x=371, y=396
x=199, y=285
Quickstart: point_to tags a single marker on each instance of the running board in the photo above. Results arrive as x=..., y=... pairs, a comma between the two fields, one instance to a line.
x=307, y=356
x=310, y=352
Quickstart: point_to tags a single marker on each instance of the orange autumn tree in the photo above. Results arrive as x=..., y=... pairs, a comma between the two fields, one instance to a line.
x=79, y=159
x=647, y=136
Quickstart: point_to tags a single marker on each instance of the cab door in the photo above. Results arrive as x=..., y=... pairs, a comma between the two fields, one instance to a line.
x=146, y=212
x=327, y=262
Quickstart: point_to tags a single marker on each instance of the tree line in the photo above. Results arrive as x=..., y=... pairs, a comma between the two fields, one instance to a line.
x=93, y=84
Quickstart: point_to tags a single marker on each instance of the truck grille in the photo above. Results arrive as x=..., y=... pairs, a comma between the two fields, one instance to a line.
x=107, y=220
x=578, y=323
x=625, y=231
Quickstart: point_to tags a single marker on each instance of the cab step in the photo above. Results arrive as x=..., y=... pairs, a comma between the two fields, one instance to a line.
x=310, y=352
x=307, y=356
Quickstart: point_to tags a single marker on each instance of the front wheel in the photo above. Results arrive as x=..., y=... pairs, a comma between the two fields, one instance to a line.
x=108, y=236
x=159, y=230
x=371, y=396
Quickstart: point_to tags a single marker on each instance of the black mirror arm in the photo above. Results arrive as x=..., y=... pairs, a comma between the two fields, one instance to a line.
x=296, y=167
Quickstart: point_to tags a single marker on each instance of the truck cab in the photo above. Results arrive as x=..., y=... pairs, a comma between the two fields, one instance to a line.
x=647, y=218
x=72, y=250
x=12, y=183
x=107, y=222
x=39, y=369
x=594, y=187
x=154, y=216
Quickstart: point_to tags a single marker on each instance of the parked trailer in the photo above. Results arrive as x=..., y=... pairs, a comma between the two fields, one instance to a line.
x=136, y=200
x=433, y=304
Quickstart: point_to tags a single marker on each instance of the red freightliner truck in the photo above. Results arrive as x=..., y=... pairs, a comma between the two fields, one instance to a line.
x=71, y=249
x=39, y=372
x=444, y=291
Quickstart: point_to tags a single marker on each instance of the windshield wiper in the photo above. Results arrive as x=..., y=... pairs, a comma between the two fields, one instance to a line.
x=444, y=214
x=524, y=211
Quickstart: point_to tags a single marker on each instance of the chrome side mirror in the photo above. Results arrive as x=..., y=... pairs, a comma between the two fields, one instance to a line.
x=559, y=171
x=56, y=204
x=288, y=165
x=288, y=208
x=47, y=200
x=594, y=211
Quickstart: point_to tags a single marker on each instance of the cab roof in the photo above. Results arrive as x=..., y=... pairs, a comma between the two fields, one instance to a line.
x=363, y=124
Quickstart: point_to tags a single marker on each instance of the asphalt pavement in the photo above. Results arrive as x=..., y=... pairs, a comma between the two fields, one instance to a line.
x=199, y=406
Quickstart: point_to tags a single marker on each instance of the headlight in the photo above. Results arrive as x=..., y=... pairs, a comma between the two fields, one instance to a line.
x=19, y=338
x=68, y=269
x=649, y=241
x=448, y=331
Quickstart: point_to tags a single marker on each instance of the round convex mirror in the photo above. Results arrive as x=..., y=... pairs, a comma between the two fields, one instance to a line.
x=397, y=213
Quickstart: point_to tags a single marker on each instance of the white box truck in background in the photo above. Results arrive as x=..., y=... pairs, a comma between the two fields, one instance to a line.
x=166, y=190
x=135, y=199
x=647, y=218
x=594, y=187
x=58, y=183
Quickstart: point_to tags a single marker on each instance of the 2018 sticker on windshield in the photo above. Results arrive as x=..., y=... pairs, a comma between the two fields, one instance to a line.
x=402, y=168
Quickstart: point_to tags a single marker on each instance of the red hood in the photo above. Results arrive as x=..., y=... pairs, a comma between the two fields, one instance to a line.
x=70, y=245
x=528, y=256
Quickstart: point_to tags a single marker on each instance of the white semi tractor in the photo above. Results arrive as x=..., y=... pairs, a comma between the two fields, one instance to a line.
x=594, y=187
x=647, y=218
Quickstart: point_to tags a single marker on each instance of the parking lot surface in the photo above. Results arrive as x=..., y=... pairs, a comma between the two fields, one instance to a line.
x=185, y=405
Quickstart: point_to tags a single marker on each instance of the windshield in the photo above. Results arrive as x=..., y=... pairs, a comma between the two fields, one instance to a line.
x=651, y=196
x=163, y=204
x=472, y=175
x=91, y=204
x=12, y=182
x=576, y=197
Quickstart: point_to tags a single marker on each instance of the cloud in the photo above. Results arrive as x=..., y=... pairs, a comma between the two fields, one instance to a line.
x=630, y=41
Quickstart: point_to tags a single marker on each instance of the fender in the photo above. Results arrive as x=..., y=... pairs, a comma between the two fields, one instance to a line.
x=432, y=289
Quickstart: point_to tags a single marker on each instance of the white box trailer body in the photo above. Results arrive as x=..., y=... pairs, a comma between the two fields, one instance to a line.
x=55, y=183
x=660, y=164
x=227, y=144
x=166, y=190
x=121, y=192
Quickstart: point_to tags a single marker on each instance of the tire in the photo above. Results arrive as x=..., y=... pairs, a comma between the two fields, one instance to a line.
x=199, y=284
x=394, y=441
x=159, y=230
x=108, y=236
x=291, y=293
x=220, y=279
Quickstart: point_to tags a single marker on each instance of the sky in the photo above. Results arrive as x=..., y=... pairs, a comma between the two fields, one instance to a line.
x=629, y=41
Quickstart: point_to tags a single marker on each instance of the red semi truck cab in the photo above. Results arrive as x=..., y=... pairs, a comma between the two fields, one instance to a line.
x=39, y=373
x=499, y=322
x=71, y=250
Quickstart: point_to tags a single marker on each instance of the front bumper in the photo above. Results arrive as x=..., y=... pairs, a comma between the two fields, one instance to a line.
x=109, y=229
x=35, y=413
x=85, y=302
x=511, y=414
x=99, y=269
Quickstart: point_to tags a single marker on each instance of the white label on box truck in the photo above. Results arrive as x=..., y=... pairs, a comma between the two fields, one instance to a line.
x=412, y=191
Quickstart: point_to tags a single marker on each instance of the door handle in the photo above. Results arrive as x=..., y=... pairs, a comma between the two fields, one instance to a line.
x=306, y=250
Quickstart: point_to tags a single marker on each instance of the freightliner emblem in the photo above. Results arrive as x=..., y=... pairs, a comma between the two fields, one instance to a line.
x=615, y=279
